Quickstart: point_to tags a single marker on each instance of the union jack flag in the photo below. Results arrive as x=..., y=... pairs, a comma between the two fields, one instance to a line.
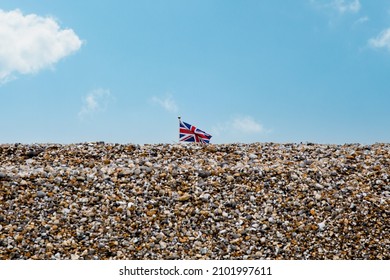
x=189, y=133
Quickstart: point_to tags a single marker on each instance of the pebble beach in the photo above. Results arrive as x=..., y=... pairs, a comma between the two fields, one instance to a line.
x=95, y=201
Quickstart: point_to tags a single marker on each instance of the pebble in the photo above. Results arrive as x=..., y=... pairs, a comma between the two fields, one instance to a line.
x=204, y=174
x=41, y=194
x=321, y=226
x=184, y=197
x=229, y=178
x=31, y=153
x=252, y=156
x=163, y=245
x=205, y=197
x=204, y=251
x=171, y=201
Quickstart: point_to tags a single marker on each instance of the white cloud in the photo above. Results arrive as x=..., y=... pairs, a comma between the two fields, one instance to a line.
x=246, y=125
x=30, y=43
x=95, y=101
x=344, y=6
x=341, y=6
x=362, y=20
x=382, y=40
x=167, y=103
x=240, y=124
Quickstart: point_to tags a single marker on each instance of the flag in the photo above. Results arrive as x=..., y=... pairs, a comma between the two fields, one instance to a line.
x=189, y=133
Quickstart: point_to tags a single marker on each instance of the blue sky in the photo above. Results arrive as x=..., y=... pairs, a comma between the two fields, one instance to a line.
x=244, y=71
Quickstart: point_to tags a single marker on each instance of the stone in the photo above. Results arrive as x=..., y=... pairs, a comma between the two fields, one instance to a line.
x=321, y=226
x=205, y=197
x=41, y=194
x=204, y=174
x=184, y=197
x=204, y=251
x=229, y=178
x=137, y=171
x=163, y=245
x=252, y=156
x=31, y=153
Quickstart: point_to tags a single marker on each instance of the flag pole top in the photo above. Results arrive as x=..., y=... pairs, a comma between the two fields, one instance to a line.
x=179, y=118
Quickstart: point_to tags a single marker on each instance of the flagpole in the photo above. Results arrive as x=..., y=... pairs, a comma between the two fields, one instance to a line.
x=179, y=127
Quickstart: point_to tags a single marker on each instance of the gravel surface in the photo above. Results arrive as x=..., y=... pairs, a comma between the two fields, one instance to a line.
x=236, y=201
